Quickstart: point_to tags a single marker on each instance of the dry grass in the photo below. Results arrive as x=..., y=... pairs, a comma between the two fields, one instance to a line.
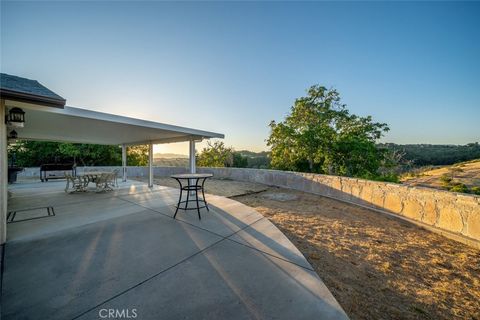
x=467, y=173
x=377, y=267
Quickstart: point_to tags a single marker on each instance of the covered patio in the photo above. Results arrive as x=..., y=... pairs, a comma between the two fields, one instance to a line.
x=123, y=250
x=47, y=118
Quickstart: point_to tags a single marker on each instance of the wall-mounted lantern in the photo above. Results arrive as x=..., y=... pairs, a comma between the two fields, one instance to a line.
x=13, y=135
x=15, y=118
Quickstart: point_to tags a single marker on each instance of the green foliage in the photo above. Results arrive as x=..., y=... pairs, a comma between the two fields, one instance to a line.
x=258, y=160
x=475, y=190
x=35, y=153
x=239, y=161
x=137, y=155
x=215, y=155
x=430, y=154
x=446, y=180
x=459, y=187
x=455, y=186
x=387, y=177
x=320, y=135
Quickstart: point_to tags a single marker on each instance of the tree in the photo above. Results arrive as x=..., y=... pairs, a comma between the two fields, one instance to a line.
x=137, y=155
x=35, y=153
x=239, y=161
x=258, y=160
x=215, y=155
x=320, y=135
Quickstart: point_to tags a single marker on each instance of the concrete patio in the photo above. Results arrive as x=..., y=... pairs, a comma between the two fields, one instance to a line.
x=122, y=250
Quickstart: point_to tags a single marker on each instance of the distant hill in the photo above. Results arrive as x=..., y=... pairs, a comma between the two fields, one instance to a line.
x=253, y=159
x=258, y=160
x=169, y=156
x=172, y=162
x=436, y=154
x=252, y=154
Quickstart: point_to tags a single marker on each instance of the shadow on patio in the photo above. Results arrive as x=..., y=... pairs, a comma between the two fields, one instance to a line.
x=122, y=250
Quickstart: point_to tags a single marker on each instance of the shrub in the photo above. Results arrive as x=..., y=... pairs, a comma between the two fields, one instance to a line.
x=475, y=190
x=390, y=177
x=445, y=179
x=459, y=187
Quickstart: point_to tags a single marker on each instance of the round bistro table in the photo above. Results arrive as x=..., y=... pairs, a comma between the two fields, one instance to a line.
x=192, y=182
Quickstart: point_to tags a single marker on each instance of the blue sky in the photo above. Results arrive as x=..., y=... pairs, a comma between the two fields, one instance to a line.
x=234, y=67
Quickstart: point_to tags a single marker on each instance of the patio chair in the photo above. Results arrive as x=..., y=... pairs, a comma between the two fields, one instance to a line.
x=105, y=182
x=78, y=184
x=116, y=172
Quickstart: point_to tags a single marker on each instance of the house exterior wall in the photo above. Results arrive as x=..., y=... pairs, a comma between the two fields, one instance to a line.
x=3, y=174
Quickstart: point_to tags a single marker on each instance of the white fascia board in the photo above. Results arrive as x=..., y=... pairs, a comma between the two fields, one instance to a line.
x=90, y=114
x=84, y=113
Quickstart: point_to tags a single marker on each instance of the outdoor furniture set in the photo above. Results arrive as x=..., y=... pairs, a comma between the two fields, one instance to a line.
x=191, y=183
x=104, y=181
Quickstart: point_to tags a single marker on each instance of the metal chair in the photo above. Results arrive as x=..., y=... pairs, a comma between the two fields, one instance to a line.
x=79, y=184
x=116, y=172
x=105, y=182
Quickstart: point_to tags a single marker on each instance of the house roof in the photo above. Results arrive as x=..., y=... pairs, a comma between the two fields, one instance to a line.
x=30, y=91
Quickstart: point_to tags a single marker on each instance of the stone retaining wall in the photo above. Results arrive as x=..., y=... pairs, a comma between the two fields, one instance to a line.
x=455, y=213
x=458, y=214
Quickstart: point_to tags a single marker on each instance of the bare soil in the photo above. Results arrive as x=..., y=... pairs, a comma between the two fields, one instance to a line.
x=376, y=266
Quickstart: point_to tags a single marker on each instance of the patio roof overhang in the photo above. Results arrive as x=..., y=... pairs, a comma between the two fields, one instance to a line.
x=78, y=125
x=48, y=119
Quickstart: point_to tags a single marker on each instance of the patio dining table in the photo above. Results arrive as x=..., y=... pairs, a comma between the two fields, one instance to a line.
x=93, y=176
x=192, y=182
x=81, y=181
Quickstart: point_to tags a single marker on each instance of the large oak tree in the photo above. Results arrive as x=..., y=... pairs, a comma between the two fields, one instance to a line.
x=320, y=135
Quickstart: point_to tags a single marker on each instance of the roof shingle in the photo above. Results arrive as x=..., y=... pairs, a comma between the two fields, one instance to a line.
x=30, y=89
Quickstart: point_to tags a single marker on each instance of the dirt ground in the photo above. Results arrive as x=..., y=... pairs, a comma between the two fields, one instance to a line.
x=224, y=188
x=376, y=266
x=467, y=173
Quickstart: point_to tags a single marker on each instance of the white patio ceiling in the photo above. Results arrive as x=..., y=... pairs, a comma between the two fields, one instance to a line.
x=86, y=126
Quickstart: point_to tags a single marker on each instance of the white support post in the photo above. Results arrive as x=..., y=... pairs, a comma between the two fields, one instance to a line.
x=193, y=166
x=124, y=163
x=192, y=162
x=150, y=165
x=3, y=174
